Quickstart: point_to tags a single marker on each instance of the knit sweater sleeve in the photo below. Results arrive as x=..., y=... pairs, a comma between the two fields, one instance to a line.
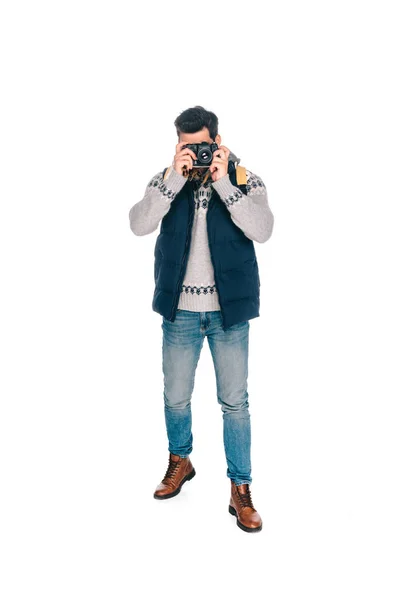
x=249, y=211
x=145, y=215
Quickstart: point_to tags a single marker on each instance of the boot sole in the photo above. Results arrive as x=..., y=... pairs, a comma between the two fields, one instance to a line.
x=239, y=524
x=178, y=489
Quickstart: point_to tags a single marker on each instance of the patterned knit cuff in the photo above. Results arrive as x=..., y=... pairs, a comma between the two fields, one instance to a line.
x=227, y=191
x=175, y=180
x=171, y=186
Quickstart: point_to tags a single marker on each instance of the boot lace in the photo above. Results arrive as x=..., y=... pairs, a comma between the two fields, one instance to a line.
x=245, y=498
x=171, y=470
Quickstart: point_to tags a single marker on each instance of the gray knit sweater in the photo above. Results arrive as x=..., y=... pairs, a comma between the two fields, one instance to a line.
x=249, y=211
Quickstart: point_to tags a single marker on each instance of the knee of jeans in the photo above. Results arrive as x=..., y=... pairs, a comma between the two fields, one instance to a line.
x=237, y=407
x=173, y=403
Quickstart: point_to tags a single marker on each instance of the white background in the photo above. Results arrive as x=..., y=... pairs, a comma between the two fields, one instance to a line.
x=307, y=95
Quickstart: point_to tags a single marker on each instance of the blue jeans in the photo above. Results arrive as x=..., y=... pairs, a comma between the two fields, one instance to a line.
x=182, y=343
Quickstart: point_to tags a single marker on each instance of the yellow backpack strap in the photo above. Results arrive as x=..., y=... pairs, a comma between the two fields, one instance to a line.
x=241, y=175
x=166, y=173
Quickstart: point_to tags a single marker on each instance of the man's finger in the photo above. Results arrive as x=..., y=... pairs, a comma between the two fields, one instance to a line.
x=225, y=149
x=224, y=156
x=186, y=151
x=179, y=147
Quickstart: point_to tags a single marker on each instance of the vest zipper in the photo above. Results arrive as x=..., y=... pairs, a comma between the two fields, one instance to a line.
x=212, y=258
x=184, y=261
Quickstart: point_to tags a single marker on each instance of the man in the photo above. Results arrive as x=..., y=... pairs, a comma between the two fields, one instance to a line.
x=206, y=285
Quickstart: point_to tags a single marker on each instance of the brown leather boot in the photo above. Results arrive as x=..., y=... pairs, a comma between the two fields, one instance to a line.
x=241, y=505
x=179, y=470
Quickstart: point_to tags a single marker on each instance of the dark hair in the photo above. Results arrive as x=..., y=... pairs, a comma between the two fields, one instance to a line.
x=194, y=119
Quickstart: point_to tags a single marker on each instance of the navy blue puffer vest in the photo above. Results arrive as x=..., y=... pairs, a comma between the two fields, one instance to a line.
x=232, y=254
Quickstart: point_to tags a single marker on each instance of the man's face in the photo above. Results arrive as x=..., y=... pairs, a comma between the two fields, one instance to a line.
x=196, y=138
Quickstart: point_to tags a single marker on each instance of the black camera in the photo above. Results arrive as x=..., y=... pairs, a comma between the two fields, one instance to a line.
x=204, y=153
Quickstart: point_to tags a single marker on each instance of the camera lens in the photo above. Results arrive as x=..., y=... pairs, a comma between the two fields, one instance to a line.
x=204, y=156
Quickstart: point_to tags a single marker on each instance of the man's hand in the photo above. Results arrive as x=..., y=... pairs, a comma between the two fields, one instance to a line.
x=219, y=165
x=183, y=159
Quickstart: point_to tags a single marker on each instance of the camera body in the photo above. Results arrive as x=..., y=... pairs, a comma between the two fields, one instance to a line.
x=204, y=154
